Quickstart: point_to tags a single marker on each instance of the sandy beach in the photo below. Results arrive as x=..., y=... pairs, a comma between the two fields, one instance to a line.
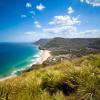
x=45, y=54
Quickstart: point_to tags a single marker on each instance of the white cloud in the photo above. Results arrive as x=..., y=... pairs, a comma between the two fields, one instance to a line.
x=64, y=26
x=93, y=33
x=23, y=16
x=70, y=10
x=64, y=31
x=67, y=32
x=92, y=2
x=40, y=7
x=37, y=24
x=32, y=12
x=64, y=20
x=81, y=0
x=30, y=33
x=72, y=32
x=28, y=5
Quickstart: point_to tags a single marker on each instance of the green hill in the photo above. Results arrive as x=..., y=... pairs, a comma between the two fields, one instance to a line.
x=67, y=43
x=75, y=46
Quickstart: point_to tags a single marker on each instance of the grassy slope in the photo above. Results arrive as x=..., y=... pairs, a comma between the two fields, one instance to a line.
x=78, y=79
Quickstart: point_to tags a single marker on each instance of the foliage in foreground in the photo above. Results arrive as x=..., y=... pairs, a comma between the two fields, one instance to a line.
x=78, y=79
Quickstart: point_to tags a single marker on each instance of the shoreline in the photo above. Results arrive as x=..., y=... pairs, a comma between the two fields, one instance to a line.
x=45, y=54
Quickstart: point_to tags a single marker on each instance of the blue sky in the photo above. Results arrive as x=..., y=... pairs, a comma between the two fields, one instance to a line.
x=29, y=20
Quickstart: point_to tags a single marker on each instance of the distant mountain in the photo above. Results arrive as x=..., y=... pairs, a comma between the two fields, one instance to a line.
x=68, y=43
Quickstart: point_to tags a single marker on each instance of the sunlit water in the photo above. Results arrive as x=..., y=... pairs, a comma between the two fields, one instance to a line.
x=16, y=56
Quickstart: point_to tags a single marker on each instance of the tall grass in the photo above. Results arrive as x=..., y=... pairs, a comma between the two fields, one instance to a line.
x=78, y=79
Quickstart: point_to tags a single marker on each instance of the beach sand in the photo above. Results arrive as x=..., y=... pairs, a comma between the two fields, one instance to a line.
x=45, y=54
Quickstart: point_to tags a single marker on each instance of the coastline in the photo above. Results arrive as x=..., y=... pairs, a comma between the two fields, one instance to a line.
x=45, y=54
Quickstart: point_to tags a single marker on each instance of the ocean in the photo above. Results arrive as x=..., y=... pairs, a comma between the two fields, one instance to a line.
x=17, y=56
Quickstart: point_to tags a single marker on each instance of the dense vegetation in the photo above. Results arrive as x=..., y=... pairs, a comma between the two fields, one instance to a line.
x=77, y=79
x=66, y=43
x=74, y=46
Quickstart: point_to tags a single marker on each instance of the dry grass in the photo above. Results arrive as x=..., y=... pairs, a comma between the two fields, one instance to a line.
x=70, y=80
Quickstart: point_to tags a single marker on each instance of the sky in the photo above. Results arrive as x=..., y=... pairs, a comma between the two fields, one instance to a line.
x=30, y=20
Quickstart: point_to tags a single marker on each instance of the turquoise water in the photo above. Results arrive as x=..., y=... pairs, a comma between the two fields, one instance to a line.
x=16, y=56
